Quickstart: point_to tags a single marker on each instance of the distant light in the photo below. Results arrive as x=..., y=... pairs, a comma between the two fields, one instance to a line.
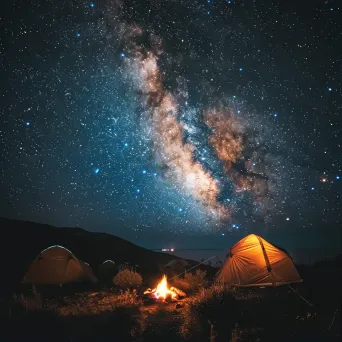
x=275, y=115
x=91, y=4
x=234, y=225
x=208, y=1
x=96, y=171
x=27, y=123
x=238, y=112
x=180, y=209
x=313, y=188
x=331, y=9
x=122, y=54
x=234, y=97
x=208, y=12
x=237, y=227
x=241, y=69
x=337, y=177
x=144, y=172
x=287, y=219
x=203, y=158
x=125, y=144
x=138, y=190
x=254, y=164
x=171, y=250
x=324, y=180
x=222, y=234
x=154, y=174
x=229, y=2
x=78, y=34
x=330, y=89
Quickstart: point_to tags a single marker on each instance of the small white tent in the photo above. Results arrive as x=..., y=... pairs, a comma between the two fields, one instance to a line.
x=57, y=265
x=255, y=262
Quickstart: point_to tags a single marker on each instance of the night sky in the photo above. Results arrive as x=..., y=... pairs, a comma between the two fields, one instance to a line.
x=174, y=123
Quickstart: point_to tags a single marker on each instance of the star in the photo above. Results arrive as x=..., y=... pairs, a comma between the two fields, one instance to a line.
x=275, y=115
x=313, y=188
x=222, y=234
x=27, y=123
x=96, y=171
x=337, y=177
x=122, y=54
x=330, y=89
x=78, y=35
x=241, y=69
x=138, y=190
x=91, y=4
x=144, y=172
x=287, y=219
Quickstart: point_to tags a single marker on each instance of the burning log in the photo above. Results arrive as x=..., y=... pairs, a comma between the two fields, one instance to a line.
x=163, y=293
x=179, y=292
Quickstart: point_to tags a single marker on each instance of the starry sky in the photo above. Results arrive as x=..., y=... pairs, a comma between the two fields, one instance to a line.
x=174, y=123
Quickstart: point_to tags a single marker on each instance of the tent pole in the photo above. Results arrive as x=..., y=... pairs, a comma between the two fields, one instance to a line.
x=269, y=268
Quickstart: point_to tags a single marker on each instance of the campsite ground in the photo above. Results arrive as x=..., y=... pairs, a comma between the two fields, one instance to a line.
x=103, y=313
x=269, y=314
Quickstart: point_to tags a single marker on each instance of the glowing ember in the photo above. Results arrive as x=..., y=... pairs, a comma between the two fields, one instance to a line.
x=161, y=292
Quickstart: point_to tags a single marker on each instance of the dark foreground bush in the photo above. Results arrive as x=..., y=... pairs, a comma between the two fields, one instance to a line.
x=216, y=307
x=87, y=317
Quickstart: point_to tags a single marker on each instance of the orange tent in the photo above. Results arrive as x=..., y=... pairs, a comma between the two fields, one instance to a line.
x=57, y=265
x=255, y=262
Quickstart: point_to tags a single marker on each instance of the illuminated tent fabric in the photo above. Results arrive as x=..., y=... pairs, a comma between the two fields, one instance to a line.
x=255, y=262
x=57, y=265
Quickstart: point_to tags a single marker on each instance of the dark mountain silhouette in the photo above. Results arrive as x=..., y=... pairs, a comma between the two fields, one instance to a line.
x=22, y=241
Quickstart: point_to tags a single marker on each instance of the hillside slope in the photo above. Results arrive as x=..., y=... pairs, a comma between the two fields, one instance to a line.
x=22, y=241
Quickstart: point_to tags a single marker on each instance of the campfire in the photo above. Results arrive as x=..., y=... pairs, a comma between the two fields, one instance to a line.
x=163, y=293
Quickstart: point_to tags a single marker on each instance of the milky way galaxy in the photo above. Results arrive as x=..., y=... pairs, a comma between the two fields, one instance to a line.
x=158, y=118
x=173, y=155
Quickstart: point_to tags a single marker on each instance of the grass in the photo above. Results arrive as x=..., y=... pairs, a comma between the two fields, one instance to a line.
x=191, y=282
x=270, y=314
x=215, y=306
x=94, y=316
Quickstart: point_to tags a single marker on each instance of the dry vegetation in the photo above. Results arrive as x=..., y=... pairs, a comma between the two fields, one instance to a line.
x=272, y=314
x=127, y=278
x=98, y=302
x=191, y=283
x=214, y=305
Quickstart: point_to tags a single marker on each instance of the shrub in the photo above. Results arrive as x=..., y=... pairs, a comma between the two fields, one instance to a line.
x=215, y=305
x=191, y=282
x=32, y=302
x=127, y=279
x=197, y=279
x=128, y=298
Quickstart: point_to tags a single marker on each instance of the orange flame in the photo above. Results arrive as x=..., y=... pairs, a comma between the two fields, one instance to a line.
x=162, y=290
